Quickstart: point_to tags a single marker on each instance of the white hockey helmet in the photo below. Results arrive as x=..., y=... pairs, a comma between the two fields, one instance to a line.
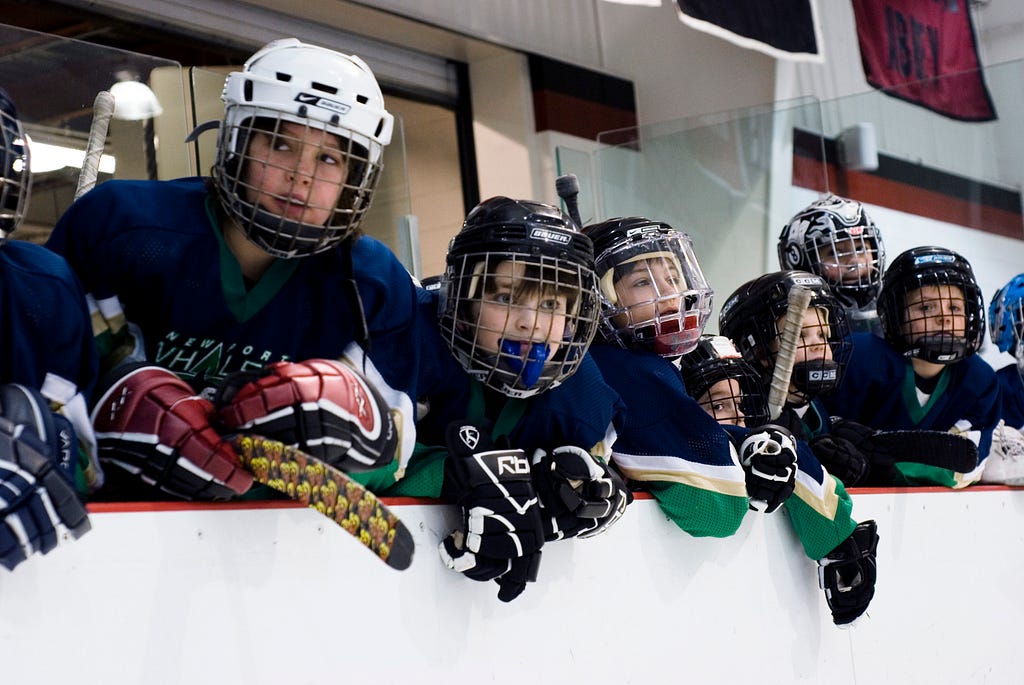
x=291, y=81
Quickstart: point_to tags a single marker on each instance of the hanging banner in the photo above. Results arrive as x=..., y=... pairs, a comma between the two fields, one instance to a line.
x=784, y=29
x=924, y=52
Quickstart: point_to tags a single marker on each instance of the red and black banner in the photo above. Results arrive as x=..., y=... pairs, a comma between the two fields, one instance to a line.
x=781, y=28
x=924, y=52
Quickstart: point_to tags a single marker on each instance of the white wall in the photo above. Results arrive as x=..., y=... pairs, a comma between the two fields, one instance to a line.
x=248, y=594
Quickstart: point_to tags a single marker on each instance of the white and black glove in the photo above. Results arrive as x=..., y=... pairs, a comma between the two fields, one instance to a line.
x=38, y=501
x=502, y=531
x=768, y=455
x=847, y=574
x=580, y=496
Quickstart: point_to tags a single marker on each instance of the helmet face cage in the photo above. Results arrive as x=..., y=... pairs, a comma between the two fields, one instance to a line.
x=653, y=292
x=1006, y=315
x=753, y=315
x=300, y=149
x=15, y=176
x=519, y=303
x=931, y=307
x=835, y=239
x=723, y=383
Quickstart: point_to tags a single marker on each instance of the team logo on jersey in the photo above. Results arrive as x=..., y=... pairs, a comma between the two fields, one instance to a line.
x=322, y=103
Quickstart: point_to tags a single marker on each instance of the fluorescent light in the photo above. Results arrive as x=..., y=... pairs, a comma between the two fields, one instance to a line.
x=44, y=157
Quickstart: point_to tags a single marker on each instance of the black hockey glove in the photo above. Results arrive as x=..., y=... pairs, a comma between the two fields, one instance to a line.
x=878, y=459
x=580, y=496
x=847, y=574
x=841, y=459
x=502, y=531
x=38, y=502
x=768, y=455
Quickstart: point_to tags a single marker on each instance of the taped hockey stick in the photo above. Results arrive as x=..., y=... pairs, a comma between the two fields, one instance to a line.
x=789, y=340
x=102, y=110
x=331, y=492
x=950, y=451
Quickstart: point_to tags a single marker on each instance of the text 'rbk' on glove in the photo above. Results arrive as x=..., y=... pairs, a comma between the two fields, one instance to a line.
x=502, y=531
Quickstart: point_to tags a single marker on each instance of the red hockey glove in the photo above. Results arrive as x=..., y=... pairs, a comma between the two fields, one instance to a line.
x=323, y=407
x=151, y=423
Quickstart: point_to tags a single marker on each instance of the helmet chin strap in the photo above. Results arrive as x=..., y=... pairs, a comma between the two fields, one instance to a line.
x=530, y=369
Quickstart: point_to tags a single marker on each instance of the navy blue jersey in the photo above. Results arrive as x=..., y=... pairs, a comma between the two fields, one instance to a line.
x=46, y=341
x=878, y=390
x=671, y=446
x=1011, y=388
x=44, y=322
x=158, y=248
x=686, y=459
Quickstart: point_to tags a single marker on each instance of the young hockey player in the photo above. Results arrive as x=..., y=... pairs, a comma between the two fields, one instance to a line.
x=836, y=239
x=519, y=435
x=655, y=304
x=257, y=269
x=1005, y=461
x=820, y=509
x=47, y=362
x=924, y=375
x=723, y=383
x=1006, y=329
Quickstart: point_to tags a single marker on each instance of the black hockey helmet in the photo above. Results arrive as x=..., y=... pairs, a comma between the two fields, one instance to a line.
x=750, y=317
x=836, y=239
x=668, y=323
x=716, y=359
x=930, y=266
x=15, y=176
x=548, y=258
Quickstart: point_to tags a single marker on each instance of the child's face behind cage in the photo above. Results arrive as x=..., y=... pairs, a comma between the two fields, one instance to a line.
x=935, y=309
x=648, y=289
x=846, y=261
x=722, y=402
x=520, y=305
x=297, y=173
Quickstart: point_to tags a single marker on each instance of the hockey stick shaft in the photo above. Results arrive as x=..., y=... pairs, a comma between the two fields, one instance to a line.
x=331, y=492
x=102, y=110
x=568, y=188
x=789, y=341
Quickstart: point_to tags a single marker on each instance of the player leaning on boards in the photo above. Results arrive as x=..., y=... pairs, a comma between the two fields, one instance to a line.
x=260, y=271
x=47, y=360
x=754, y=316
x=521, y=430
x=925, y=375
